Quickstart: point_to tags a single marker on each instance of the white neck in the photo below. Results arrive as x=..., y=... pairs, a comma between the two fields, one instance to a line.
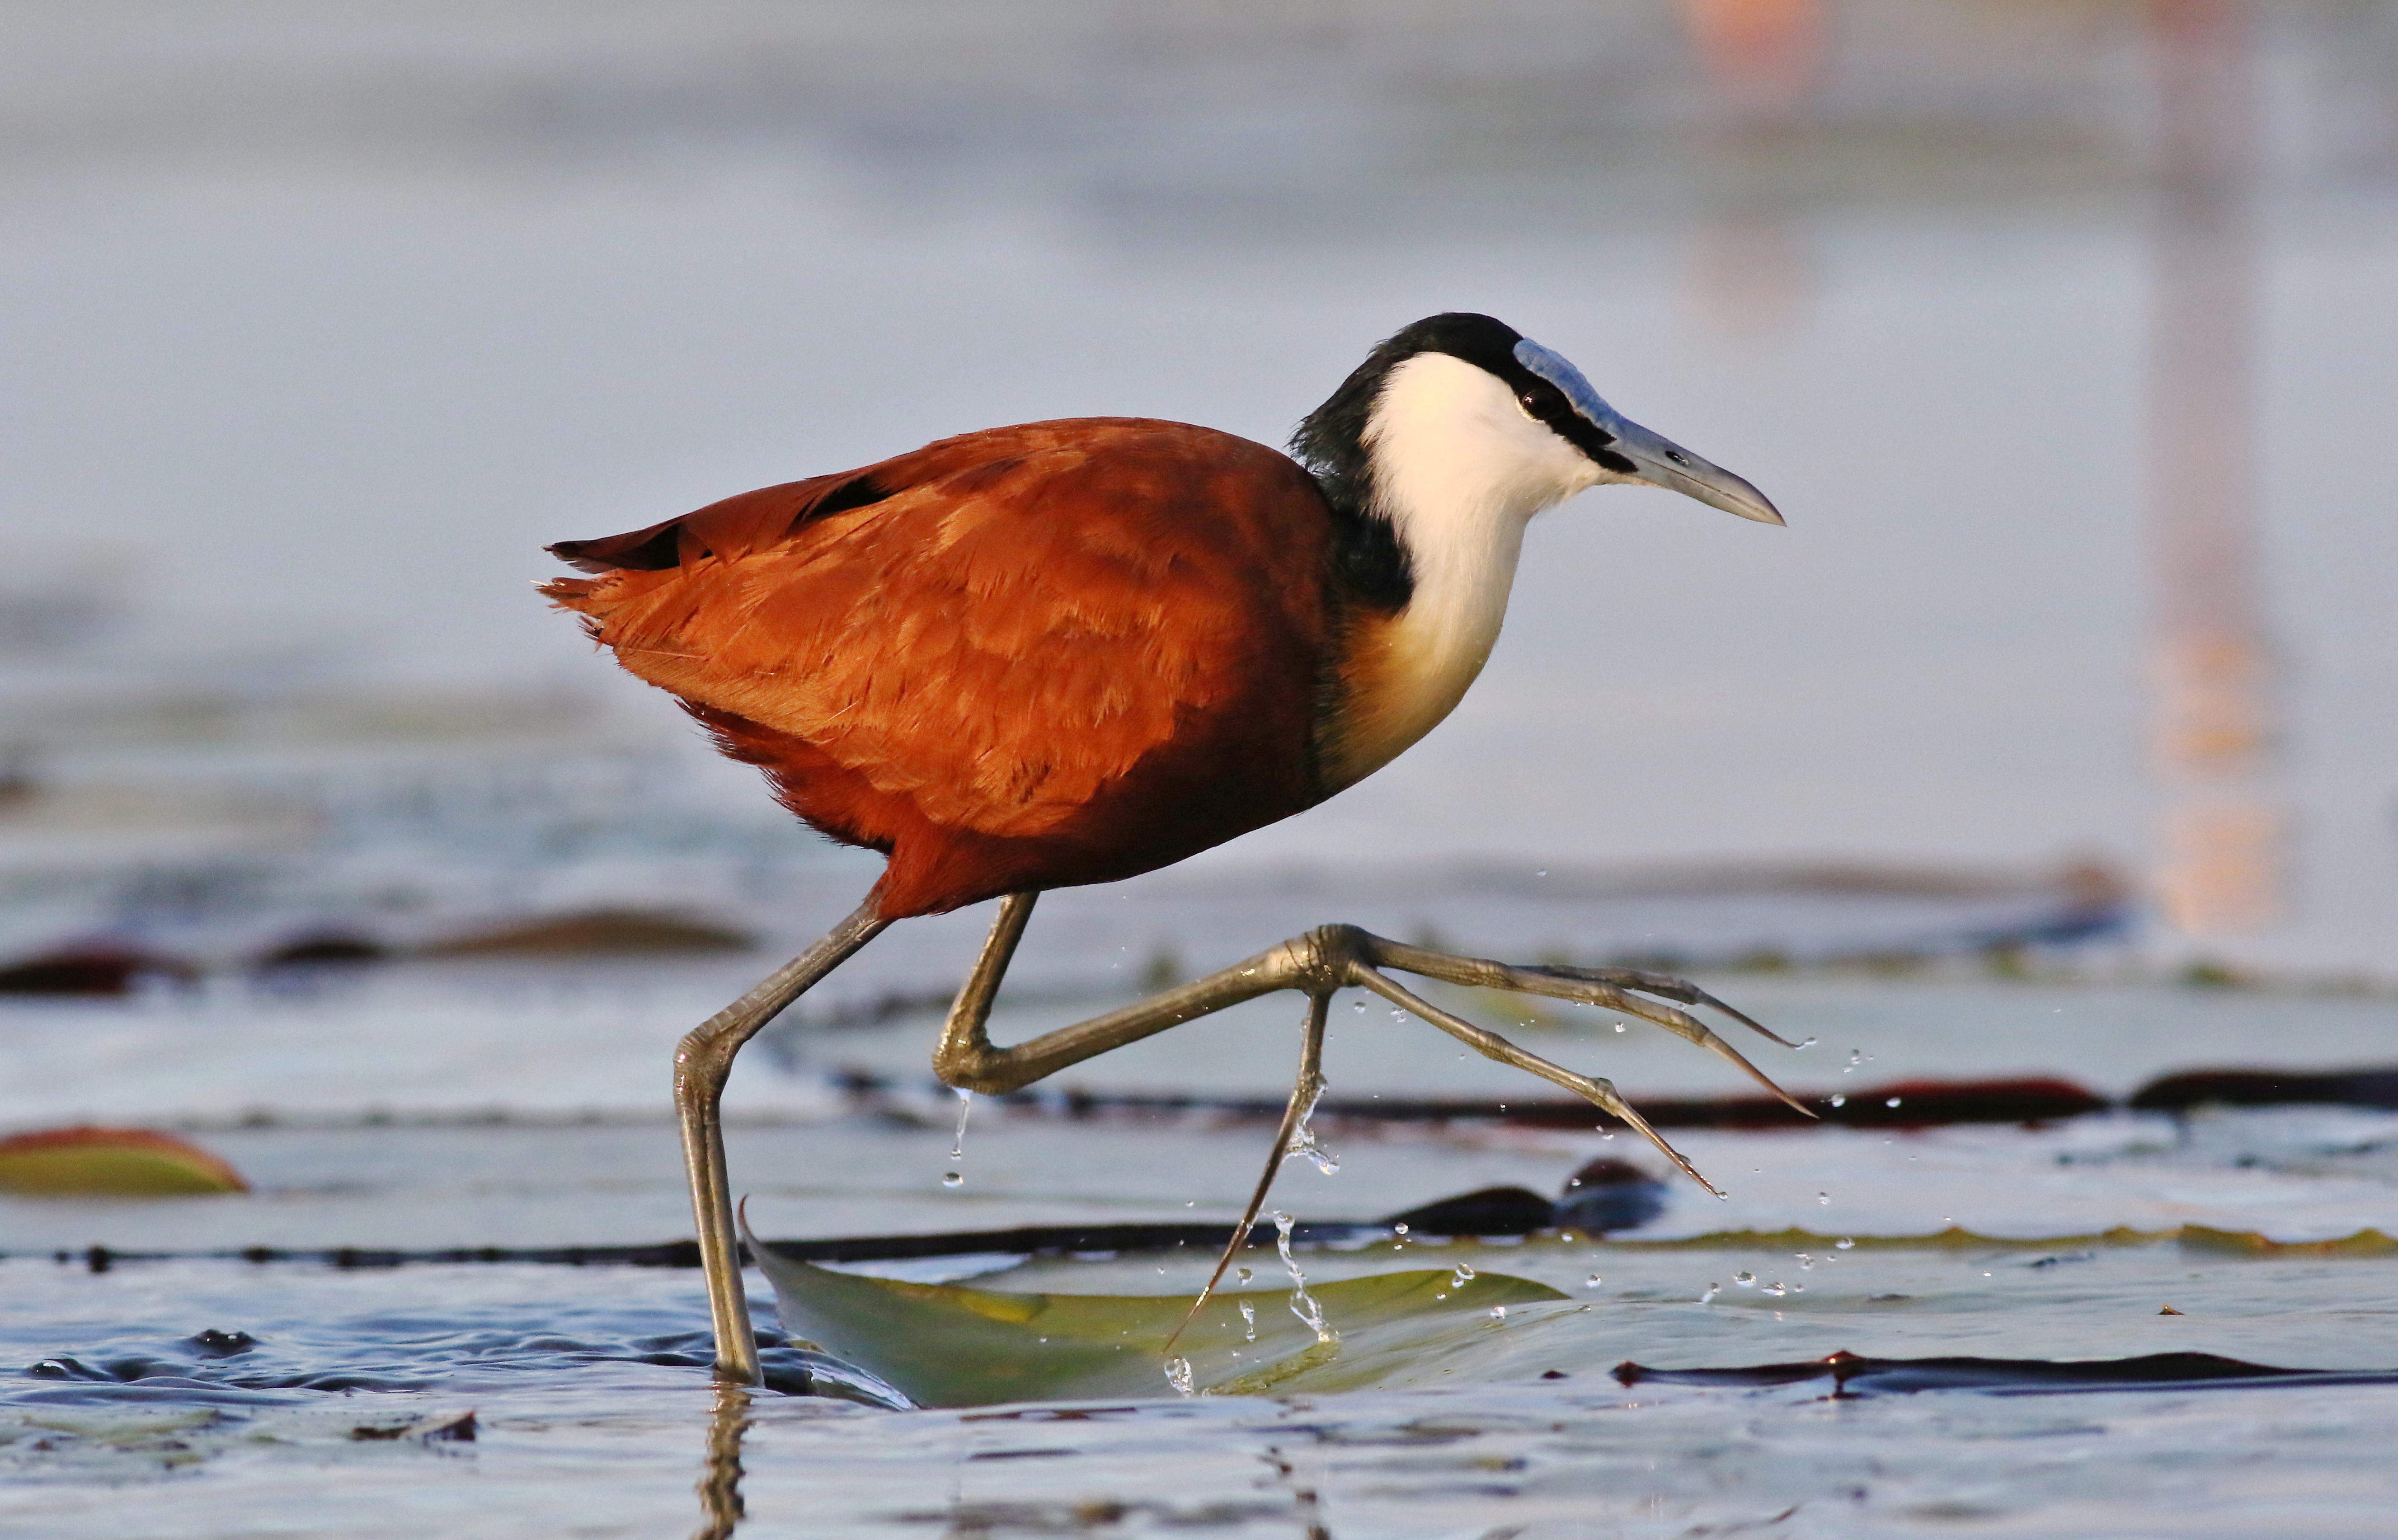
x=1459, y=468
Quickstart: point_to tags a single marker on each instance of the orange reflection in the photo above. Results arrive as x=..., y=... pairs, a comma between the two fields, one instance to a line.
x=1763, y=53
x=1749, y=272
x=2223, y=833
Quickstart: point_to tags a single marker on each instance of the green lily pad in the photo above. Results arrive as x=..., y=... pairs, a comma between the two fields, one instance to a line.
x=948, y=1345
x=100, y=1162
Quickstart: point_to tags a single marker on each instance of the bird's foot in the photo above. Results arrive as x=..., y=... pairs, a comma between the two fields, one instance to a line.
x=1367, y=961
x=1338, y=956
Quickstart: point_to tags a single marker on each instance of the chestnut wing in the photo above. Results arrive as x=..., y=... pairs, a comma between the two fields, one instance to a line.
x=996, y=626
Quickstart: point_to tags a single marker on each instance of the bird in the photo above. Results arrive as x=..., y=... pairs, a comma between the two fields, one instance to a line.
x=1070, y=652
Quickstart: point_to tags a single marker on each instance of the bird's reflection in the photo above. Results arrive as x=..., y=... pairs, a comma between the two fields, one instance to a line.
x=719, y=1477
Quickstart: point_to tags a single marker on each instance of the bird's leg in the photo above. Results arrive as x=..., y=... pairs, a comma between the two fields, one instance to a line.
x=1329, y=958
x=1304, y=1092
x=964, y=1039
x=702, y=1063
x=965, y=1057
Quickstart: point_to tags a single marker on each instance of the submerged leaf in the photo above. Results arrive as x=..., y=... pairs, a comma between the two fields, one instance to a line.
x=948, y=1345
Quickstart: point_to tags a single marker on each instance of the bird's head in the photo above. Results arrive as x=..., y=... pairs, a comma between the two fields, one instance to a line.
x=1461, y=415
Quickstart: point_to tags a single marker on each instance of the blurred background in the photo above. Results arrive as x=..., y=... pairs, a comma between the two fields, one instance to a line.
x=2065, y=334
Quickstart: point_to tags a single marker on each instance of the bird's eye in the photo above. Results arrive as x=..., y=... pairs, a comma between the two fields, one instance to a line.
x=1531, y=402
x=1678, y=457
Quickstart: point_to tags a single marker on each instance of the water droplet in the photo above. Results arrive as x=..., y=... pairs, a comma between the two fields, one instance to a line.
x=1245, y=1274
x=953, y=1179
x=1776, y=1289
x=1619, y=1027
x=1178, y=1374
x=1593, y=1282
x=966, y=1106
x=1840, y=1101
x=1250, y=1317
x=1745, y=1280
x=1358, y=1007
x=1892, y=1103
x=1805, y=1263
x=1823, y=1197
x=1463, y=1274
x=1398, y=1015
x=1709, y=1297
x=1498, y=1312
x=1845, y=1242
x=1400, y=1230
x=1808, y=1043
x=1543, y=872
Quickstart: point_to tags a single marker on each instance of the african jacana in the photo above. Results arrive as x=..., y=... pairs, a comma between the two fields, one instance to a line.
x=1070, y=652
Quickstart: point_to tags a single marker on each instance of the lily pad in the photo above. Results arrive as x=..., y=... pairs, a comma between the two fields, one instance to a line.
x=944, y=1344
x=97, y=1162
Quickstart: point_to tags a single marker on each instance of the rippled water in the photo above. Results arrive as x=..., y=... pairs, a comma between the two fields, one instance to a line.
x=589, y=1414
x=592, y=1410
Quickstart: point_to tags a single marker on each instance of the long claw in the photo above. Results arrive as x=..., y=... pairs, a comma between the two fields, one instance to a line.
x=1692, y=1030
x=1491, y=1045
x=1664, y=986
x=1725, y=1049
x=1303, y=1094
x=1595, y=986
x=1744, y=1018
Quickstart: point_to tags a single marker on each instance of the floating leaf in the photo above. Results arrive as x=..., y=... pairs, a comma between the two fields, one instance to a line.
x=95, y=1162
x=944, y=1344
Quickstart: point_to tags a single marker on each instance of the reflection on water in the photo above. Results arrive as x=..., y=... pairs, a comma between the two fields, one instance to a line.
x=2224, y=839
x=720, y=1482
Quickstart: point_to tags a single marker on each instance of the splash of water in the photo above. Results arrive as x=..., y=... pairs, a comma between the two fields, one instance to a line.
x=1178, y=1374
x=1302, y=1303
x=1302, y=1136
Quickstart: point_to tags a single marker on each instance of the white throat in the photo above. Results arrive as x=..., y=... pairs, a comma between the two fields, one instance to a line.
x=1459, y=468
